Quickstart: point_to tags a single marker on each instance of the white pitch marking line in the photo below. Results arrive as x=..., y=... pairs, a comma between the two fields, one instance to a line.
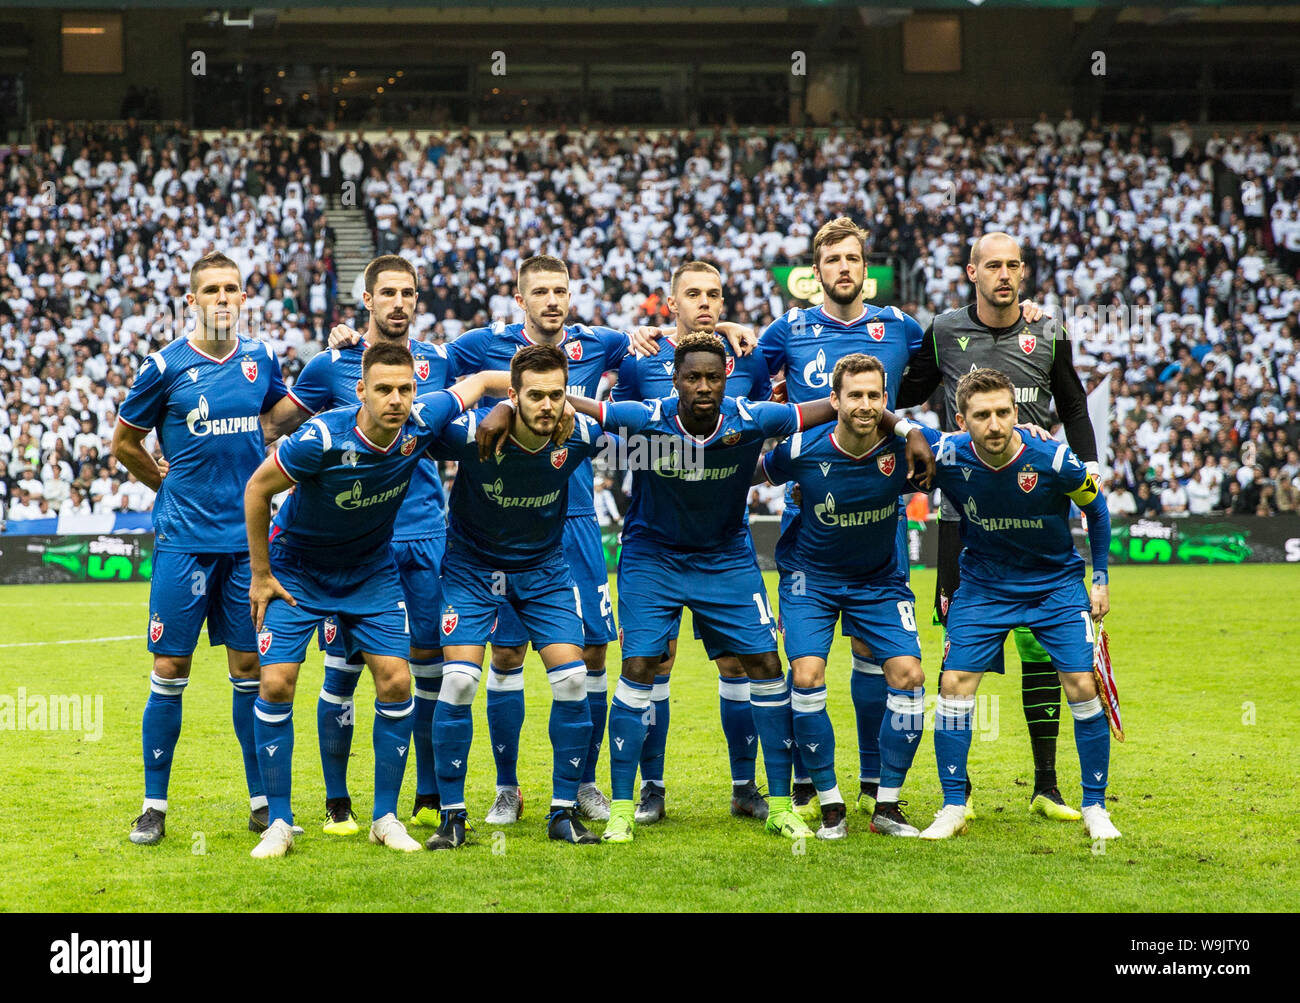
x=81, y=640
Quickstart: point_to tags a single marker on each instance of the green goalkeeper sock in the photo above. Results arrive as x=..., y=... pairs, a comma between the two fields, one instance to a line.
x=1041, y=695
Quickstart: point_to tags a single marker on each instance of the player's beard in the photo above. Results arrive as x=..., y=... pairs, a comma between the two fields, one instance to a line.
x=389, y=333
x=845, y=299
x=530, y=423
x=549, y=327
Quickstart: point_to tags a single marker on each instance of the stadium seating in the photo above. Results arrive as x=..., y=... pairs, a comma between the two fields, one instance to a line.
x=1174, y=262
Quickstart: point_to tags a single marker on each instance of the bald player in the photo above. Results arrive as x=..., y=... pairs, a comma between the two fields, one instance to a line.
x=991, y=333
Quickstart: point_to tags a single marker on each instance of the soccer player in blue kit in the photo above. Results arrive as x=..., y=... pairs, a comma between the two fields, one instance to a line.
x=506, y=524
x=1019, y=567
x=329, y=380
x=684, y=544
x=328, y=555
x=696, y=301
x=839, y=559
x=542, y=293
x=806, y=343
x=206, y=395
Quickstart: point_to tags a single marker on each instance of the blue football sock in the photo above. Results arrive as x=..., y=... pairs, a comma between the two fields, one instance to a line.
x=656, y=734
x=900, y=734
x=1092, y=739
x=160, y=730
x=273, y=731
x=453, y=730
x=243, y=694
x=598, y=711
x=796, y=757
x=335, y=714
x=505, y=718
x=867, y=687
x=570, y=730
x=426, y=679
x=392, y=740
x=952, y=735
x=773, y=720
x=627, y=728
x=814, y=735
x=738, y=727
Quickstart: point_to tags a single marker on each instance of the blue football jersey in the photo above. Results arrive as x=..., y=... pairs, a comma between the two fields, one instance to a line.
x=688, y=493
x=847, y=526
x=651, y=377
x=348, y=489
x=592, y=352
x=329, y=380
x=807, y=343
x=508, y=511
x=1015, y=519
x=206, y=412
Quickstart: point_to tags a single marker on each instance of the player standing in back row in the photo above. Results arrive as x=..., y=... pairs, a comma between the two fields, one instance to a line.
x=205, y=395
x=994, y=333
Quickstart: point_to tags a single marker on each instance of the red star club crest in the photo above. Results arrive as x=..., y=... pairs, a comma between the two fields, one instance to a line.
x=946, y=645
x=1028, y=480
x=574, y=350
x=422, y=369
x=877, y=330
x=731, y=438
x=943, y=604
x=558, y=456
x=1027, y=342
x=731, y=364
x=331, y=631
x=249, y=367
x=155, y=628
x=449, y=621
x=408, y=445
x=264, y=642
x=886, y=463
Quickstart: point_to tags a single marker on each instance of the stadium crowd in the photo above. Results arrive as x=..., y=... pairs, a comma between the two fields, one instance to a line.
x=1173, y=260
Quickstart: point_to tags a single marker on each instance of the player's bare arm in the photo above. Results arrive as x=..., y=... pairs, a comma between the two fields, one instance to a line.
x=128, y=447
x=742, y=339
x=920, y=457
x=342, y=336
x=267, y=482
x=815, y=413
x=282, y=419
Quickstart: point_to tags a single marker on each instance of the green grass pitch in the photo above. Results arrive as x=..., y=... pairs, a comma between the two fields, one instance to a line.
x=1204, y=790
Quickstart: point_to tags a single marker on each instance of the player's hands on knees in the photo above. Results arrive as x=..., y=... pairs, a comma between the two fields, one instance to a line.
x=742, y=339
x=341, y=336
x=1031, y=311
x=920, y=459
x=493, y=429
x=778, y=392
x=1100, y=596
x=644, y=340
x=263, y=589
x=564, y=427
x=163, y=465
x=1037, y=431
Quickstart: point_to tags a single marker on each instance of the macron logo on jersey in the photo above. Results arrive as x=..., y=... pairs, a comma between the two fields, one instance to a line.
x=352, y=499
x=198, y=423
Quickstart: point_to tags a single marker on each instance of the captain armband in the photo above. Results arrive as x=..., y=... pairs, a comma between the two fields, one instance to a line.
x=1086, y=492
